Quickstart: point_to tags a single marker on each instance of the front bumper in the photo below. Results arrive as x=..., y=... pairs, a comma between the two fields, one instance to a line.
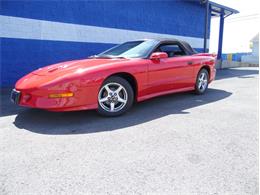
x=39, y=98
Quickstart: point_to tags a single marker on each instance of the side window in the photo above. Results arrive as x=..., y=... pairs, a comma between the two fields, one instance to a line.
x=173, y=50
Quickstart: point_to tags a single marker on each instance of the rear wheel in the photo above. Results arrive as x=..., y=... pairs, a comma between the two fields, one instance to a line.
x=202, y=81
x=115, y=97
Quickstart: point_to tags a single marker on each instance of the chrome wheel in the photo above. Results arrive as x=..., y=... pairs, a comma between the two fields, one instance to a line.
x=112, y=97
x=202, y=81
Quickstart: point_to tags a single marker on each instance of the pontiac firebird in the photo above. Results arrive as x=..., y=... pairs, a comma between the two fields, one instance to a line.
x=113, y=80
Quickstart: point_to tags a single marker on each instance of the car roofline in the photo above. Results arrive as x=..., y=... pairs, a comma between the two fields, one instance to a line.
x=158, y=39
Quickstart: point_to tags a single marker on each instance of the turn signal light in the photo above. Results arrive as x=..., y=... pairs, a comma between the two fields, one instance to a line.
x=26, y=97
x=61, y=95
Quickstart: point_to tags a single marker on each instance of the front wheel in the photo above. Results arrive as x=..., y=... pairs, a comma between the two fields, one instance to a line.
x=115, y=97
x=202, y=81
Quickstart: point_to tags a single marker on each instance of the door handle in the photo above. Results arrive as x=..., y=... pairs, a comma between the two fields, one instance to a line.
x=189, y=63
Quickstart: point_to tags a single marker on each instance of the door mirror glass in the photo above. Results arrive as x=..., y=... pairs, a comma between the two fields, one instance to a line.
x=158, y=55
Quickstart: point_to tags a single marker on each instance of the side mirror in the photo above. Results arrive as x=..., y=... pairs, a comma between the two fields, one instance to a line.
x=158, y=55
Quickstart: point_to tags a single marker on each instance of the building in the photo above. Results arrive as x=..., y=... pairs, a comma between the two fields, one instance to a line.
x=38, y=33
x=253, y=58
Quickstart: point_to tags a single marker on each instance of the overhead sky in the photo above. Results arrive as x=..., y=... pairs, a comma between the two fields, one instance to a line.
x=239, y=29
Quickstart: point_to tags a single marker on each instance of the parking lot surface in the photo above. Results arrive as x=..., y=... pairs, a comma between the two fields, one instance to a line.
x=176, y=144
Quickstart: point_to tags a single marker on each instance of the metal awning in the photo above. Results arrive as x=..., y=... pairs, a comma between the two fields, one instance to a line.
x=217, y=9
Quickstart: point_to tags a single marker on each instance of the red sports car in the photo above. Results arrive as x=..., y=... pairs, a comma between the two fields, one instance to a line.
x=113, y=80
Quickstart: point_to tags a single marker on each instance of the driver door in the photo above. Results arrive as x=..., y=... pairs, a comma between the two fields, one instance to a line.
x=172, y=73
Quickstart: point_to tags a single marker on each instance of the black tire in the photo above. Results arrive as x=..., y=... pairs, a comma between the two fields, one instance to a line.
x=198, y=89
x=129, y=96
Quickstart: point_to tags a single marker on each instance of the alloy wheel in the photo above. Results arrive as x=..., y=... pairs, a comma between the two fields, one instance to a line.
x=202, y=81
x=112, y=97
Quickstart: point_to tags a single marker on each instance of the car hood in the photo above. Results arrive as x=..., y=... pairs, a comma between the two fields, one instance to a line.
x=73, y=66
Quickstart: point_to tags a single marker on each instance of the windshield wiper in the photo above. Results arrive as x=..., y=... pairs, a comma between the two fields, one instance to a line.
x=102, y=56
x=93, y=56
x=121, y=57
x=107, y=56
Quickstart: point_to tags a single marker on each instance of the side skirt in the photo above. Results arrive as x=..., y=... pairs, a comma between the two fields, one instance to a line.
x=139, y=99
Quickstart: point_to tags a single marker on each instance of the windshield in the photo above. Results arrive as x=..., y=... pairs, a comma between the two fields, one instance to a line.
x=132, y=49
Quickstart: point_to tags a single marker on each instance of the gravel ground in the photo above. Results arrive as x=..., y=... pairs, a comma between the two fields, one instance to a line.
x=177, y=144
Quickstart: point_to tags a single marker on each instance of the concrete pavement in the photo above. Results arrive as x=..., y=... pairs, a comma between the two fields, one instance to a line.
x=176, y=144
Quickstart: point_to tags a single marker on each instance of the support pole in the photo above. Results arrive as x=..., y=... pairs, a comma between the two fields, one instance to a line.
x=220, y=40
x=205, y=49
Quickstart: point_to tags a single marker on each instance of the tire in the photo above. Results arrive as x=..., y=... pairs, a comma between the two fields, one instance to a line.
x=202, y=82
x=115, y=97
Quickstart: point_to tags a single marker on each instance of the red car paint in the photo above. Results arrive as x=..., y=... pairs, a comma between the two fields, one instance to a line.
x=84, y=78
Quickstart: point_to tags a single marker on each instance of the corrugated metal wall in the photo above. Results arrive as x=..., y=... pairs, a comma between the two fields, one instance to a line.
x=38, y=33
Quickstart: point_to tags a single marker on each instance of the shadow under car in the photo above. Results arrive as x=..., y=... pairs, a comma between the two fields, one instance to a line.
x=82, y=122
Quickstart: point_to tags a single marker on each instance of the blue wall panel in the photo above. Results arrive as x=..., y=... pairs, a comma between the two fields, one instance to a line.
x=21, y=56
x=184, y=18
